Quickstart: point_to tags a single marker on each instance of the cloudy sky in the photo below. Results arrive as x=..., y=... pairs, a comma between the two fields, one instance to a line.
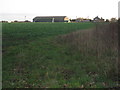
x=17, y=9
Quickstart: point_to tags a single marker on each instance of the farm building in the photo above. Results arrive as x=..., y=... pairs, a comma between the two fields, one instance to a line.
x=97, y=19
x=51, y=19
x=83, y=20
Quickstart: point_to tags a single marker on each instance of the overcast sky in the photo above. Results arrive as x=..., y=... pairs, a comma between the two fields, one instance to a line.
x=17, y=9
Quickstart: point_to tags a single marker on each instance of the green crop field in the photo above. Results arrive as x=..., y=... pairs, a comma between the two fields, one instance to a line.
x=35, y=56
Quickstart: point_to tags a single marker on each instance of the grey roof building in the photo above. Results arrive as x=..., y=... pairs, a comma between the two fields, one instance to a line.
x=97, y=19
x=51, y=19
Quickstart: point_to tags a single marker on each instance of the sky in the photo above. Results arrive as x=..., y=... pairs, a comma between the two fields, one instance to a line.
x=11, y=10
x=119, y=10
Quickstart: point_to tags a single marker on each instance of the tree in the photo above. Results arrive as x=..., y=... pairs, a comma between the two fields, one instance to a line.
x=15, y=21
x=107, y=20
x=113, y=20
x=26, y=21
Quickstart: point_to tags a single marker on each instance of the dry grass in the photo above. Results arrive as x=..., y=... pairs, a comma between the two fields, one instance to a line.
x=101, y=42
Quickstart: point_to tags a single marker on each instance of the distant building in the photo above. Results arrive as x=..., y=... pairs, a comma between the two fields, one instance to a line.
x=81, y=20
x=73, y=20
x=97, y=19
x=51, y=19
x=86, y=20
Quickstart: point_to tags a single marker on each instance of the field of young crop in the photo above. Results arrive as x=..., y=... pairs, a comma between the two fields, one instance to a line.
x=51, y=55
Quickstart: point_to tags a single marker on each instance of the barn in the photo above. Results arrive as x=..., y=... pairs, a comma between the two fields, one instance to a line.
x=51, y=19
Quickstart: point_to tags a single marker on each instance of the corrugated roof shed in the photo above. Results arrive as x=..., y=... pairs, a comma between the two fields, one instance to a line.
x=49, y=18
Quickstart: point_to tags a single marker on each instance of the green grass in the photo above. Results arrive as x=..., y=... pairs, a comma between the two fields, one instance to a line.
x=33, y=58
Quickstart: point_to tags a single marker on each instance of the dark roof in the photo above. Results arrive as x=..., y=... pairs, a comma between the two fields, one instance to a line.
x=50, y=17
x=97, y=17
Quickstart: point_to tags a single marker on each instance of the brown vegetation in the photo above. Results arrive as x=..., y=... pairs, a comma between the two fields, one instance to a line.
x=101, y=42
